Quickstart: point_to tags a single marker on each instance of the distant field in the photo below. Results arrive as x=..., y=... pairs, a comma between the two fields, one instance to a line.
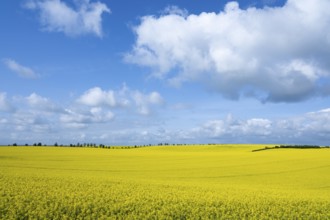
x=169, y=182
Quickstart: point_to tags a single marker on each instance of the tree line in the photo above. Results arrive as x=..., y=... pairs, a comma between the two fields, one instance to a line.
x=304, y=146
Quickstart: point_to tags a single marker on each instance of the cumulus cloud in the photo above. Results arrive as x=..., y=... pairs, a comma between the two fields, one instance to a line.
x=5, y=105
x=234, y=128
x=34, y=114
x=96, y=97
x=31, y=122
x=80, y=119
x=35, y=118
x=143, y=101
x=124, y=97
x=312, y=127
x=277, y=54
x=308, y=128
x=19, y=69
x=41, y=103
x=57, y=16
x=318, y=122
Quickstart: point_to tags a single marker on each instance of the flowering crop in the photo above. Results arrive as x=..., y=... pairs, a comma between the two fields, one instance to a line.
x=172, y=182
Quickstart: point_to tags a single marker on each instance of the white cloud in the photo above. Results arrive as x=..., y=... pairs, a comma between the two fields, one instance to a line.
x=32, y=122
x=235, y=128
x=5, y=105
x=97, y=97
x=19, y=69
x=143, y=101
x=273, y=54
x=318, y=122
x=57, y=16
x=309, y=128
x=100, y=124
x=125, y=97
x=37, y=118
x=34, y=114
x=172, y=9
x=36, y=100
x=81, y=119
x=41, y=103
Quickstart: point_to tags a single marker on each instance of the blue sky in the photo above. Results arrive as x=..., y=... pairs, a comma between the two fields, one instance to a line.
x=140, y=72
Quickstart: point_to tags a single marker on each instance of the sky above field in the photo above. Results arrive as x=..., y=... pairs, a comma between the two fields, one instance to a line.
x=149, y=72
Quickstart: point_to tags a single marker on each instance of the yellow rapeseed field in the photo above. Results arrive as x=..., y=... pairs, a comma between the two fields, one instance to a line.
x=168, y=182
